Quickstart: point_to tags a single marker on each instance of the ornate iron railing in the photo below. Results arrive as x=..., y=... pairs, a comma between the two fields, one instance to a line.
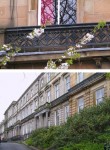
x=57, y=38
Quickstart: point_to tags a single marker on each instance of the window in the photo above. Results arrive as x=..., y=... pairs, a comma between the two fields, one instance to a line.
x=66, y=112
x=42, y=82
x=37, y=104
x=57, y=117
x=99, y=95
x=32, y=92
x=80, y=104
x=57, y=11
x=57, y=91
x=31, y=108
x=80, y=77
x=48, y=96
x=41, y=100
x=24, y=100
x=27, y=97
x=67, y=83
x=48, y=77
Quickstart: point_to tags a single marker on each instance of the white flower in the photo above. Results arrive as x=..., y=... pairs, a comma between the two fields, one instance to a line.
x=30, y=36
x=63, y=56
x=50, y=65
x=90, y=35
x=38, y=32
x=8, y=49
x=78, y=45
x=35, y=33
x=8, y=58
x=63, y=66
x=87, y=38
x=59, y=60
x=70, y=49
x=69, y=53
x=4, y=46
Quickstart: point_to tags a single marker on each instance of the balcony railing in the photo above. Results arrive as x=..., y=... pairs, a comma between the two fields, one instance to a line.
x=57, y=38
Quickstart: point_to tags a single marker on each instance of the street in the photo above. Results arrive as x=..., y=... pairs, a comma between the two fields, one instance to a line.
x=12, y=146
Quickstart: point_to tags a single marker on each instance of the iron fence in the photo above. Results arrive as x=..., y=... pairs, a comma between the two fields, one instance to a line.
x=57, y=38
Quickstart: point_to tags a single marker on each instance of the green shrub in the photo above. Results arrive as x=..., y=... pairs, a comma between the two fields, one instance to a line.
x=84, y=146
x=88, y=126
x=29, y=142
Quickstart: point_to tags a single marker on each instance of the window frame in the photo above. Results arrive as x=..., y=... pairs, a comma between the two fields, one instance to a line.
x=80, y=107
x=67, y=110
x=80, y=77
x=57, y=90
x=67, y=82
x=102, y=96
x=48, y=76
x=58, y=12
x=48, y=97
x=57, y=117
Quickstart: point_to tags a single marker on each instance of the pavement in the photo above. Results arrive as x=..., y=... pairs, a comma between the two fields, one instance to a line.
x=13, y=146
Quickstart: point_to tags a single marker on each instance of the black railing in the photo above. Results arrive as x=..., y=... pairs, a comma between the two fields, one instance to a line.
x=57, y=38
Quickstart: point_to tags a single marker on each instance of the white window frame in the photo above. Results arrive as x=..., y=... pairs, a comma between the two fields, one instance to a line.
x=41, y=100
x=99, y=98
x=48, y=76
x=67, y=82
x=57, y=90
x=32, y=92
x=80, y=77
x=37, y=103
x=80, y=104
x=42, y=82
x=27, y=97
x=57, y=117
x=48, y=96
x=66, y=112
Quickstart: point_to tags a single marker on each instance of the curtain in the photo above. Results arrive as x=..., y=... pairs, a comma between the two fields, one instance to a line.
x=47, y=12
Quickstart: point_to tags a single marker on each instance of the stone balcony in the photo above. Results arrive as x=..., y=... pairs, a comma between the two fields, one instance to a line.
x=55, y=40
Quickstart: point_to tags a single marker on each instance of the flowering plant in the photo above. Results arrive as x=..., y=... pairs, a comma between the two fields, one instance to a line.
x=35, y=33
x=71, y=53
x=8, y=52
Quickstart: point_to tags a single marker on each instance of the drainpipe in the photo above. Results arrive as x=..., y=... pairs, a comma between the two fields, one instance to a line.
x=12, y=7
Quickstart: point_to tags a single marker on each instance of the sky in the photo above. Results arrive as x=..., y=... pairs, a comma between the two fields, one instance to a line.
x=12, y=86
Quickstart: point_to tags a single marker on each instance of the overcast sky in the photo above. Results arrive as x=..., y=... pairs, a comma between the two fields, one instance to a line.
x=12, y=86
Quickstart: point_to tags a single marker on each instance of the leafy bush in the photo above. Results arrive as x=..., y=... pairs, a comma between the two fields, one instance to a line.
x=84, y=146
x=82, y=131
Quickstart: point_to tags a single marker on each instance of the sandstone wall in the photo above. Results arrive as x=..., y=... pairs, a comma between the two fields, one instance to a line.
x=93, y=10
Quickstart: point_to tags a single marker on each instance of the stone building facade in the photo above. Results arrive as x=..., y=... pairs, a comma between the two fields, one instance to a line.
x=26, y=12
x=79, y=19
x=2, y=129
x=51, y=99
